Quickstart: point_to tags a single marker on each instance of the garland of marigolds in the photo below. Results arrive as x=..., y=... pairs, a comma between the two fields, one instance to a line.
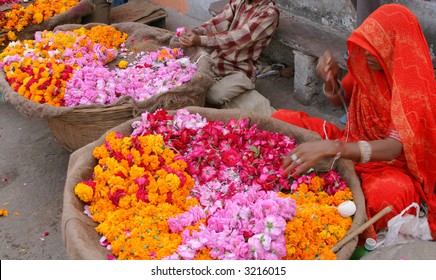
x=19, y=17
x=183, y=187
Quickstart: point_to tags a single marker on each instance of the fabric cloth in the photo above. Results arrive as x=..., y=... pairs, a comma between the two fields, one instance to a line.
x=401, y=96
x=238, y=34
x=236, y=90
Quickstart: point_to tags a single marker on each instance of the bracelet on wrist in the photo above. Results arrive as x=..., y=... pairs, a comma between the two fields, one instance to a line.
x=365, y=151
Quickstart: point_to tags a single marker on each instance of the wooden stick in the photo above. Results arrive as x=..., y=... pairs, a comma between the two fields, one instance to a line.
x=361, y=228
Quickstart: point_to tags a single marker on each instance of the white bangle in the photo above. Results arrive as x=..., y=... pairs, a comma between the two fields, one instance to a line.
x=365, y=151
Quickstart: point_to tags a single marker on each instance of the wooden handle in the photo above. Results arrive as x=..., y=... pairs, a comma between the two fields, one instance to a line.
x=361, y=228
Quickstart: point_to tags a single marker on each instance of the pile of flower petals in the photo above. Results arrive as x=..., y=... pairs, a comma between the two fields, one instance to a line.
x=150, y=74
x=247, y=209
x=69, y=68
x=19, y=17
x=39, y=69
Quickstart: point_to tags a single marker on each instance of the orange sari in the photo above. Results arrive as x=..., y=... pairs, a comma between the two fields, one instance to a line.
x=402, y=97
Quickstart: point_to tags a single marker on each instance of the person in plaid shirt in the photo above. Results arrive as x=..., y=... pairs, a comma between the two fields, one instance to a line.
x=235, y=38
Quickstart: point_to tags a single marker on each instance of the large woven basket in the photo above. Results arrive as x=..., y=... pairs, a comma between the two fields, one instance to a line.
x=78, y=230
x=74, y=127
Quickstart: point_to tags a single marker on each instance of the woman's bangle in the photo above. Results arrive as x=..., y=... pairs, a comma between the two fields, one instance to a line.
x=365, y=151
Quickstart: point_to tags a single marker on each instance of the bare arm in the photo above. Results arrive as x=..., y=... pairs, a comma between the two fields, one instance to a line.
x=310, y=153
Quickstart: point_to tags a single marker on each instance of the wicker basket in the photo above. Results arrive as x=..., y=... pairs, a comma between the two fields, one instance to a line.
x=78, y=231
x=74, y=127
x=82, y=126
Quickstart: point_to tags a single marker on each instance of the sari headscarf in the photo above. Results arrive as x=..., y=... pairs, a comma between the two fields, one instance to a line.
x=402, y=94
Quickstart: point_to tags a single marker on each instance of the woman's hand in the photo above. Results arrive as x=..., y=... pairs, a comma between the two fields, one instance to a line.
x=189, y=39
x=305, y=155
x=328, y=69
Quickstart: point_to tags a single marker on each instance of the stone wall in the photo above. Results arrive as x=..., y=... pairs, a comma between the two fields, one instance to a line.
x=198, y=9
x=341, y=16
x=337, y=14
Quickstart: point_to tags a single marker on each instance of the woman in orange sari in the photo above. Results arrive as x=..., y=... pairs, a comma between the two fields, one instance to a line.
x=390, y=132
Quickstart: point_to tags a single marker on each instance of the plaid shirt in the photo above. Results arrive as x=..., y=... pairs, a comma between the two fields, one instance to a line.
x=238, y=34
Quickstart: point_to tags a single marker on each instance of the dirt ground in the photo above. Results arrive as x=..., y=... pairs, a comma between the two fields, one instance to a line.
x=32, y=174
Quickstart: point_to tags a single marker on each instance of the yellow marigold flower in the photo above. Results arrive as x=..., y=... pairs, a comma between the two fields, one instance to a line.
x=38, y=17
x=12, y=36
x=123, y=64
x=316, y=184
x=3, y=212
x=328, y=255
x=84, y=192
x=19, y=27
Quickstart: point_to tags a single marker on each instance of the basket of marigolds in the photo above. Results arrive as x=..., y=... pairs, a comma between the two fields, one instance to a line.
x=20, y=20
x=86, y=79
x=200, y=183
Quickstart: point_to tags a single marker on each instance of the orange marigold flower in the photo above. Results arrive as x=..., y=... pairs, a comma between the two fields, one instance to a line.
x=12, y=36
x=38, y=17
x=3, y=212
x=84, y=192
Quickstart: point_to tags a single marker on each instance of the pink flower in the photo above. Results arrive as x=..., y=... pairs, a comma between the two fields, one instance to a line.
x=180, y=31
x=260, y=244
x=208, y=173
x=186, y=252
x=103, y=241
x=274, y=226
x=231, y=158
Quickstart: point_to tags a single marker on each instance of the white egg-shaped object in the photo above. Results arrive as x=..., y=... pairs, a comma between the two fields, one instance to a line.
x=347, y=209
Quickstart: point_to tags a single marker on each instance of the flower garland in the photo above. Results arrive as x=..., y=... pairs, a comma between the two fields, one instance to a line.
x=19, y=17
x=229, y=205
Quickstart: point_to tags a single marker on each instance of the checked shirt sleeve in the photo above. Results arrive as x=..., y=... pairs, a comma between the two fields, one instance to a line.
x=256, y=29
x=218, y=23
